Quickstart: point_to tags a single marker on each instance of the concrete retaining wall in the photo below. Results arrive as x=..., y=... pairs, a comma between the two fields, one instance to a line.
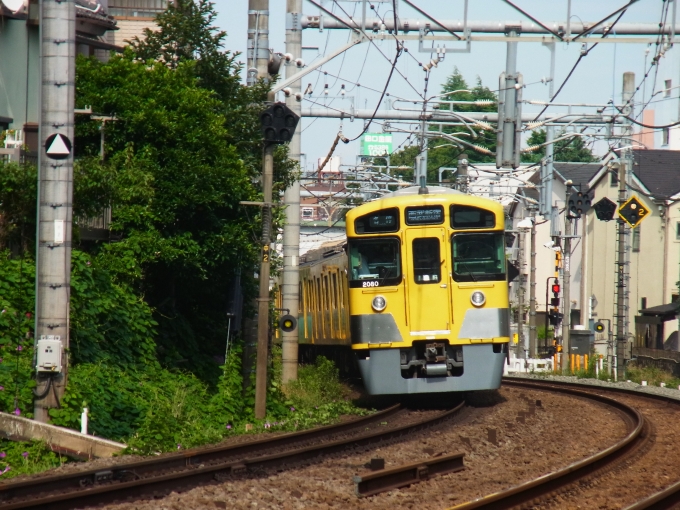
x=59, y=439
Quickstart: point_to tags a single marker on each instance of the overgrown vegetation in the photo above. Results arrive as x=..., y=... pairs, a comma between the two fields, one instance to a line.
x=25, y=458
x=148, y=324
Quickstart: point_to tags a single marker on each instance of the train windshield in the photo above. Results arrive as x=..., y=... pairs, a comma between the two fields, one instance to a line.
x=374, y=262
x=478, y=257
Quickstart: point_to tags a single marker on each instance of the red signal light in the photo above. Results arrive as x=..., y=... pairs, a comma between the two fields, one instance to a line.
x=556, y=288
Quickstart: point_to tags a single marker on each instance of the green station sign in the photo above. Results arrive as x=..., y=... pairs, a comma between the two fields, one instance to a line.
x=376, y=144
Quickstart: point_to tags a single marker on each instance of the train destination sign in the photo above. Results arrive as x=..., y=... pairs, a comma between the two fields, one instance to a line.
x=433, y=215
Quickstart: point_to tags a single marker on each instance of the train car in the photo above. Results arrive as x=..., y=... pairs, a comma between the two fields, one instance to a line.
x=428, y=292
x=418, y=292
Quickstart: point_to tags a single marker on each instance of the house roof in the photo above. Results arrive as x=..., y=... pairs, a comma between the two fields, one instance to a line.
x=578, y=173
x=658, y=170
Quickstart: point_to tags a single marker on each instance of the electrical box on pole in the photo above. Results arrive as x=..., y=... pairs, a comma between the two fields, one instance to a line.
x=48, y=354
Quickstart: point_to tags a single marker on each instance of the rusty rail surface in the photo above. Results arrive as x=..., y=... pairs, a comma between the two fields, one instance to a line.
x=551, y=483
x=190, y=468
x=401, y=476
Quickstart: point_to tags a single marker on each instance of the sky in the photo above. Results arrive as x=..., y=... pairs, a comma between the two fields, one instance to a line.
x=597, y=79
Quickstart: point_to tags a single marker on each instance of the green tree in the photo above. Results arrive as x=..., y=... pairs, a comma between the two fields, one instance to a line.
x=570, y=149
x=176, y=183
x=441, y=152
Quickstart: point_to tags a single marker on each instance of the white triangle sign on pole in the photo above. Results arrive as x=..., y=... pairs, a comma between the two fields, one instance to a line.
x=59, y=146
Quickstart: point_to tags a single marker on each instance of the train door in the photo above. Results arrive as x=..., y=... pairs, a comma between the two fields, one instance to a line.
x=428, y=295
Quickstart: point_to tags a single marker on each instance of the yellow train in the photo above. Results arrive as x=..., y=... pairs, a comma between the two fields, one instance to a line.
x=419, y=292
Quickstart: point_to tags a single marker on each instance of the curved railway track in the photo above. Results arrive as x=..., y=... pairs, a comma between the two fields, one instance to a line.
x=636, y=443
x=194, y=467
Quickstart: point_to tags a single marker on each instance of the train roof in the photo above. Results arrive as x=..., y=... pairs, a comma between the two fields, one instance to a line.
x=415, y=190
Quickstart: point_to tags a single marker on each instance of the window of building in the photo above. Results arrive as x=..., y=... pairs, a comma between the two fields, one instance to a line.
x=636, y=239
x=667, y=86
x=666, y=133
x=137, y=8
x=643, y=303
x=677, y=230
x=613, y=178
x=307, y=212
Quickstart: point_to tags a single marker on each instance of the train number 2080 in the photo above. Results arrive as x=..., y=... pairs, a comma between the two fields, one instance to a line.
x=370, y=284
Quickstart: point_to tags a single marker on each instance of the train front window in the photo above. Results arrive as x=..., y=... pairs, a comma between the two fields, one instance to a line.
x=478, y=257
x=374, y=262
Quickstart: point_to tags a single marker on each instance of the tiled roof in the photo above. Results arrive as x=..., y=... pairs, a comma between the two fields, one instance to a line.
x=659, y=171
x=579, y=173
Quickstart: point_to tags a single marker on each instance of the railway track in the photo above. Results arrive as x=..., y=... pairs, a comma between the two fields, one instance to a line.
x=546, y=489
x=191, y=468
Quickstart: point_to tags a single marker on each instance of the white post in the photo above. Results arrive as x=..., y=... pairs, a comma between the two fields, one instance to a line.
x=83, y=421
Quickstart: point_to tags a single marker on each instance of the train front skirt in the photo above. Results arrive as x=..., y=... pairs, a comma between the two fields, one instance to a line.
x=483, y=370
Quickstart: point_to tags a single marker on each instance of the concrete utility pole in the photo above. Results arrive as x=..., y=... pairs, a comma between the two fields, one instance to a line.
x=263, y=300
x=462, y=173
x=532, y=288
x=55, y=196
x=509, y=114
x=291, y=232
x=625, y=169
x=258, y=60
x=566, y=284
x=521, y=353
x=258, y=41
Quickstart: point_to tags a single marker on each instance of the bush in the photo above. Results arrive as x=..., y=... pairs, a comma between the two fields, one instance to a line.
x=25, y=458
x=316, y=385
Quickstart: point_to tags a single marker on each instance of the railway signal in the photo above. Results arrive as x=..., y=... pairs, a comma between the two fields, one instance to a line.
x=599, y=327
x=278, y=124
x=578, y=204
x=605, y=209
x=633, y=211
x=287, y=323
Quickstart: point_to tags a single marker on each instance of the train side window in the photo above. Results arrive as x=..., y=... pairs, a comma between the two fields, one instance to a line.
x=378, y=222
x=426, y=260
x=469, y=217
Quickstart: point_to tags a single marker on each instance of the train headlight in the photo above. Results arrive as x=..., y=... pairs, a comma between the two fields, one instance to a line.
x=478, y=298
x=379, y=303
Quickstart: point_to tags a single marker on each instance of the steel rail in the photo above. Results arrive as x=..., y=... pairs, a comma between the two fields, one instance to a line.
x=202, y=473
x=664, y=500
x=183, y=460
x=549, y=484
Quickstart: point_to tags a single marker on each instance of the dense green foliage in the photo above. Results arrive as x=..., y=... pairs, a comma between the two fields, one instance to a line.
x=148, y=322
x=571, y=149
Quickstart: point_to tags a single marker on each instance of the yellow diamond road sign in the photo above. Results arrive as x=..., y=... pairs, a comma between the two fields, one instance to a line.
x=633, y=211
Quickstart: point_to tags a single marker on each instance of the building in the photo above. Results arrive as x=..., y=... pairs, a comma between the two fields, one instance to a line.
x=132, y=18
x=653, y=248
x=20, y=64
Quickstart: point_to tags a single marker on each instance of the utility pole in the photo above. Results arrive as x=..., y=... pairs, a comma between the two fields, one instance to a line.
x=625, y=169
x=462, y=173
x=532, y=288
x=509, y=111
x=521, y=353
x=566, y=283
x=258, y=61
x=291, y=232
x=258, y=41
x=263, y=300
x=55, y=199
